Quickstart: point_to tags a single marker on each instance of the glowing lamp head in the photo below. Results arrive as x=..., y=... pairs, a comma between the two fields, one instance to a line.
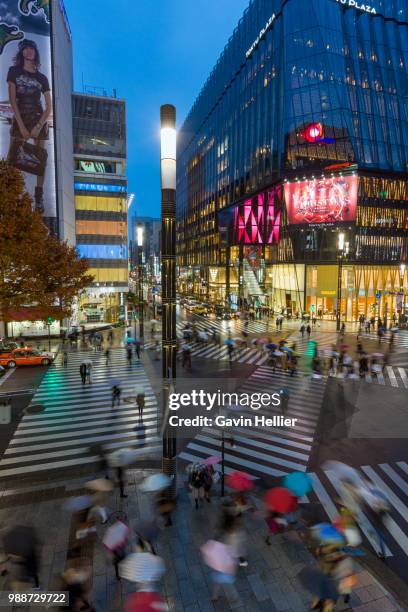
x=168, y=148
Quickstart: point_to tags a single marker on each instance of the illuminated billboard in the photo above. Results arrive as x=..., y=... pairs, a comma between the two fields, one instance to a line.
x=26, y=121
x=323, y=200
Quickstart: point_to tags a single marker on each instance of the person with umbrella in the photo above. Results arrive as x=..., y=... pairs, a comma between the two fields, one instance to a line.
x=284, y=399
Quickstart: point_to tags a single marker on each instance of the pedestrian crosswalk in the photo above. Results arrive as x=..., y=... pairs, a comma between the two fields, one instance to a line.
x=77, y=418
x=395, y=375
x=262, y=451
x=389, y=478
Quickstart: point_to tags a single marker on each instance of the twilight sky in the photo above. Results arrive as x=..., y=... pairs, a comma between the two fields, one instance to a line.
x=153, y=52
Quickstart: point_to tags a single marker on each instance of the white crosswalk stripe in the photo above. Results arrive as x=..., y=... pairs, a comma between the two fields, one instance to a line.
x=262, y=450
x=392, y=481
x=78, y=417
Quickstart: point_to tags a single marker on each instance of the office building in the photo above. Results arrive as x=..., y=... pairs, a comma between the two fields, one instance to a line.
x=99, y=128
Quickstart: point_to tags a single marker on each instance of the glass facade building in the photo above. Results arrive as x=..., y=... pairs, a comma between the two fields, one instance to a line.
x=99, y=128
x=302, y=122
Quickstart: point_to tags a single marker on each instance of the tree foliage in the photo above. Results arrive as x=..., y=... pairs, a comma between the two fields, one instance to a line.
x=36, y=269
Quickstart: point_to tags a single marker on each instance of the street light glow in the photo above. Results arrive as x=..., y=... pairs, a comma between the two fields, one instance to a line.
x=139, y=234
x=168, y=151
x=403, y=267
x=341, y=241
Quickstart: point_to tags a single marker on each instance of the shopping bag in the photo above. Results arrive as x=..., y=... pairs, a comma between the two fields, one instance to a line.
x=28, y=158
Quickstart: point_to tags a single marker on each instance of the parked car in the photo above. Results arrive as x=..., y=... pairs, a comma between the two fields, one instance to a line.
x=25, y=357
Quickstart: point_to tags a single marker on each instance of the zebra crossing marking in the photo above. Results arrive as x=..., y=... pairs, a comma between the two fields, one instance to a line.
x=77, y=416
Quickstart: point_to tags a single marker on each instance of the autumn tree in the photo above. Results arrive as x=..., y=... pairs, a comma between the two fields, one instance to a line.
x=36, y=269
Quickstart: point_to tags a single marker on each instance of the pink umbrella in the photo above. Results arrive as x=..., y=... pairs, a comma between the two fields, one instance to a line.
x=212, y=460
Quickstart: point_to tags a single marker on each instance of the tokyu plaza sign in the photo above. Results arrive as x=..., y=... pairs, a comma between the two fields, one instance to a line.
x=359, y=6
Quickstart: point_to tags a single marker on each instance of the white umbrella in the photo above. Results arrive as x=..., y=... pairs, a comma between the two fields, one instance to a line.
x=122, y=457
x=99, y=484
x=142, y=567
x=344, y=472
x=139, y=391
x=153, y=321
x=115, y=536
x=156, y=482
x=87, y=362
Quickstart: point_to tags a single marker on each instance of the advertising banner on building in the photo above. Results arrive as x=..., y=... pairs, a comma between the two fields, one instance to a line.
x=323, y=200
x=26, y=99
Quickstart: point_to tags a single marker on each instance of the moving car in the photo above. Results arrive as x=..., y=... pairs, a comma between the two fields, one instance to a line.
x=25, y=357
x=200, y=309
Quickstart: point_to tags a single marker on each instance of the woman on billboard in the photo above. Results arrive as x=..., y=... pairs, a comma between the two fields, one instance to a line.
x=26, y=86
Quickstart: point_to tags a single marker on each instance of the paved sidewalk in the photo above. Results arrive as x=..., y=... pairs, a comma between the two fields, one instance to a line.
x=269, y=583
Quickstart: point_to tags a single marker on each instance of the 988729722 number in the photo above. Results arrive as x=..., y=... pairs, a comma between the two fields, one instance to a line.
x=52, y=599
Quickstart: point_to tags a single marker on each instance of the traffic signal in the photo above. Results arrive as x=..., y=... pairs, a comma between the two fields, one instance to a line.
x=50, y=320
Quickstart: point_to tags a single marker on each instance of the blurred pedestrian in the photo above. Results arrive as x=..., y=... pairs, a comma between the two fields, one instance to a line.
x=116, y=393
x=274, y=523
x=342, y=329
x=137, y=348
x=76, y=581
x=208, y=482
x=197, y=483
x=129, y=354
x=140, y=401
x=308, y=331
x=107, y=356
x=110, y=336
x=82, y=371
x=65, y=359
x=120, y=476
x=88, y=371
x=302, y=330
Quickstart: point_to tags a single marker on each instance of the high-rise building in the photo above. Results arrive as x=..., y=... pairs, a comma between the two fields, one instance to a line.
x=47, y=166
x=99, y=127
x=292, y=162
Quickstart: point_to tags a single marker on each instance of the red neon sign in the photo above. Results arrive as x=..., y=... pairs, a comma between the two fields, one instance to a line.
x=313, y=132
x=326, y=200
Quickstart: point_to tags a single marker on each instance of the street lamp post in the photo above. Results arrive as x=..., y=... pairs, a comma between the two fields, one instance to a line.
x=140, y=280
x=403, y=268
x=169, y=333
x=343, y=251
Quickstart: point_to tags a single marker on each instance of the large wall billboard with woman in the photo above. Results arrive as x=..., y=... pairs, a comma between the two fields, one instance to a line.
x=26, y=118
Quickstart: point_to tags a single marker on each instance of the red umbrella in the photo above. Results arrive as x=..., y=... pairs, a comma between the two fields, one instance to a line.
x=239, y=481
x=144, y=601
x=281, y=500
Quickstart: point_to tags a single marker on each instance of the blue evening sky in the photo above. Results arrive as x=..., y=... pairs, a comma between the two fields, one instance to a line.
x=153, y=52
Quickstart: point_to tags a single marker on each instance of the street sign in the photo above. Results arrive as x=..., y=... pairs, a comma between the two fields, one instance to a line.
x=378, y=295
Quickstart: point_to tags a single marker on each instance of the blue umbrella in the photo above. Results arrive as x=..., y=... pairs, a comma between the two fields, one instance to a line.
x=328, y=534
x=287, y=349
x=298, y=483
x=271, y=346
x=229, y=342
